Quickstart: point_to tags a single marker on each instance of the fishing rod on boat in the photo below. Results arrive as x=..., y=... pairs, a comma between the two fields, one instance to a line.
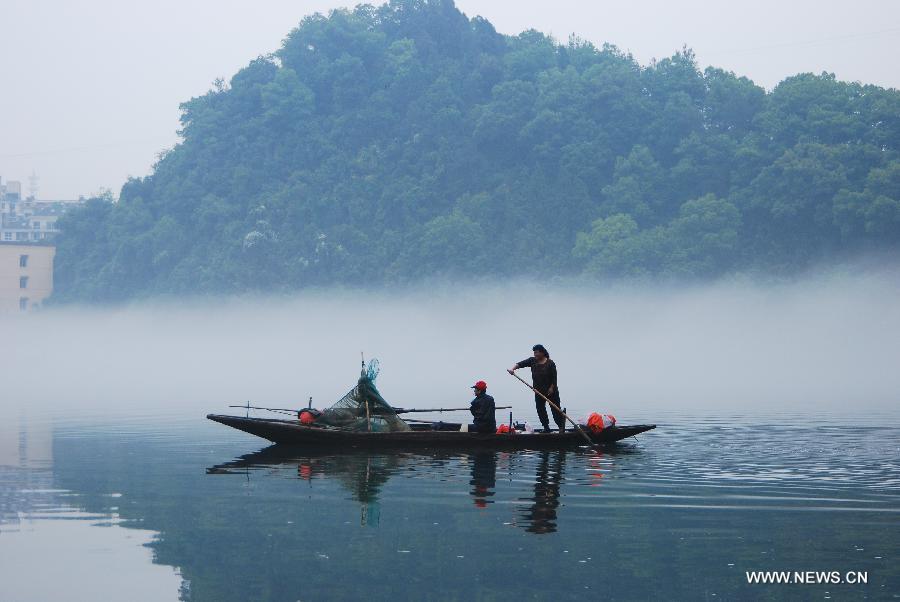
x=281, y=410
x=405, y=411
x=396, y=410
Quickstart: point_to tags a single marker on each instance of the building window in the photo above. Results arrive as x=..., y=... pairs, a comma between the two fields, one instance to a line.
x=23, y=261
x=23, y=303
x=7, y=236
x=23, y=282
x=36, y=225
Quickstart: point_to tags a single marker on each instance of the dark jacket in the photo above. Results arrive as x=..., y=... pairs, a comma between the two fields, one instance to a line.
x=483, y=413
x=542, y=375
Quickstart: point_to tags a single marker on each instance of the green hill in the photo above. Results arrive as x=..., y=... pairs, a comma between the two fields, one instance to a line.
x=393, y=144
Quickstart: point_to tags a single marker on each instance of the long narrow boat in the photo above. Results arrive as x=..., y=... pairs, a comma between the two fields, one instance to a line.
x=291, y=432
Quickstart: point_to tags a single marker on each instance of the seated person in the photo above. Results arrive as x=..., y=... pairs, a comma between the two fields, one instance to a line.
x=482, y=410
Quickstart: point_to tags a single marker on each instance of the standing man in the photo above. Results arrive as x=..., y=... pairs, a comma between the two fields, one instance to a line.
x=483, y=410
x=543, y=378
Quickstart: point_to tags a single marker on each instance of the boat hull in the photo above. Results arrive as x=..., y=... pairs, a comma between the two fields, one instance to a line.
x=291, y=432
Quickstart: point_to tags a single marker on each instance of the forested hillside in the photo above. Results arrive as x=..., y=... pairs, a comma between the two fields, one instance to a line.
x=391, y=144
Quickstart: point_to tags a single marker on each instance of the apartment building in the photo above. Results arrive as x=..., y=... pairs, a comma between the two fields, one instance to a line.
x=25, y=220
x=26, y=276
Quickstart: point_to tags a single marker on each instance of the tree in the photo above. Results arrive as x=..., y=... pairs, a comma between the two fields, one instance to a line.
x=873, y=214
x=638, y=188
x=703, y=238
x=385, y=144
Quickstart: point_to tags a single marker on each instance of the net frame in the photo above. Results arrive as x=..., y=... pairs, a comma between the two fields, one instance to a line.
x=363, y=409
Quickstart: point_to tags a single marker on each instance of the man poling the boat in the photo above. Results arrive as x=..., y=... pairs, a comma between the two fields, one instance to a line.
x=483, y=410
x=543, y=378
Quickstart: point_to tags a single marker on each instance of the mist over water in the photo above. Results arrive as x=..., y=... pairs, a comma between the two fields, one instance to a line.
x=827, y=343
x=776, y=445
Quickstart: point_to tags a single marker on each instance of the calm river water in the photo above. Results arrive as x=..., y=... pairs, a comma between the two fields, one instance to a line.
x=163, y=507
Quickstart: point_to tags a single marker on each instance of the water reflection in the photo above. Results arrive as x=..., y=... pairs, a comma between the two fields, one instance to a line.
x=484, y=477
x=540, y=516
x=363, y=474
x=91, y=554
x=26, y=462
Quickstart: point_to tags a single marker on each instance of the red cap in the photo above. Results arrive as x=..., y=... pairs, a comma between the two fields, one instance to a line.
x=480, y=385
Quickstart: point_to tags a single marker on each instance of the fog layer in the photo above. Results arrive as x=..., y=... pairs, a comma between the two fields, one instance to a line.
x=827, y=342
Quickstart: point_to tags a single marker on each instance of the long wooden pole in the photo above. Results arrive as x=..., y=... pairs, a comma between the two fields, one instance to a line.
x=555, y=407
x=405, y=411
x=281, y=410
x=396, y=410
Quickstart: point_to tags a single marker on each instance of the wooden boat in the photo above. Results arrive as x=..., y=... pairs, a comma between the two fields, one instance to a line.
x=291, y=432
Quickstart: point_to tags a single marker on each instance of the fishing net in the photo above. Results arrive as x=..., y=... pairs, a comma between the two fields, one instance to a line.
x=363, y=408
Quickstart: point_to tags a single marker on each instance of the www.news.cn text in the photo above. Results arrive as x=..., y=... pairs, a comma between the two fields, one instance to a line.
x=808, y=577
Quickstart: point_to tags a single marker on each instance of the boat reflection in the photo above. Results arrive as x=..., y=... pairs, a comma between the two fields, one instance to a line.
x=361, y=473
x=364, y=473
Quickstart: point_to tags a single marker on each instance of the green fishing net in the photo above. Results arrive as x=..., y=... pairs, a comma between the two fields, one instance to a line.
x=363, y=408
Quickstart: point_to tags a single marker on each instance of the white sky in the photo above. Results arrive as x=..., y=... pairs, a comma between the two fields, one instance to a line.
x=89, y=90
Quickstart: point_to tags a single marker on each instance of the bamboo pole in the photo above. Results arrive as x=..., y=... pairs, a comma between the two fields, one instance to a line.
x=410, y=411
x=556, y=407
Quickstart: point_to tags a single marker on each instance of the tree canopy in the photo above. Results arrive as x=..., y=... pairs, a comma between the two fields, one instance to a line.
x=406, y=141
